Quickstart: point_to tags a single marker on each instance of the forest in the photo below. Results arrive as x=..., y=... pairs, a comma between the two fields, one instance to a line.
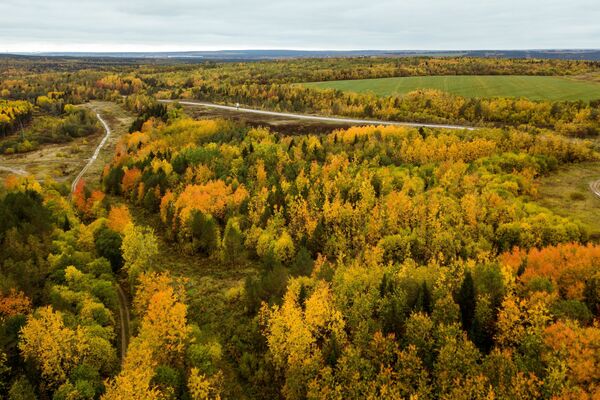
x=367, y=262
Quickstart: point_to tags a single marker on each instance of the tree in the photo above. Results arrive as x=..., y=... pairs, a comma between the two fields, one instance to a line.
x=466, y=301
x=139, y=248
x=14, y=303
x=203, y=388
x=55, y=348
x=233, y=241
x=134, y=380
x=21, y=389
x=118, y=218
x=205, y=233
x=108, y=245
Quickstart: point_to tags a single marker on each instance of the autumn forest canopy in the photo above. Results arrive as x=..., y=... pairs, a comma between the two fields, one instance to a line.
x=216, y=256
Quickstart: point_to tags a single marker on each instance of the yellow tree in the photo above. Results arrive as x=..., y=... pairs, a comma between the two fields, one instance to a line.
x=134, y=381
x=118, y=218
x=55, y=348
x=203, y=388
x=139, y=250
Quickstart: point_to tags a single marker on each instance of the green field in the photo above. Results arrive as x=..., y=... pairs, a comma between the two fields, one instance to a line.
x=531, y=87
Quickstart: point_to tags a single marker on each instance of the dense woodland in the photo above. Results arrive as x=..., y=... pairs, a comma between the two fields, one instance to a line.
x=377, y=261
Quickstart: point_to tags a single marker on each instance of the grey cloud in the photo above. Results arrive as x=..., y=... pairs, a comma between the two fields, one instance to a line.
x=31, y=25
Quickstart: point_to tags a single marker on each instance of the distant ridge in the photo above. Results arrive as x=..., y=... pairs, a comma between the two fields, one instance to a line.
x=249, y=55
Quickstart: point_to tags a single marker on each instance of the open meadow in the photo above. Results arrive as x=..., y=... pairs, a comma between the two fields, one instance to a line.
x=531, y=87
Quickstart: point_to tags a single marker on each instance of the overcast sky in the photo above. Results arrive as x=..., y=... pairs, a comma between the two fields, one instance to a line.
x=161, y=25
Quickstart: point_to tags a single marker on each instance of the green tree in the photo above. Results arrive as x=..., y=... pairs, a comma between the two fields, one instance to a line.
x=205, y=233
x=108, y=245
x=466, y=301
x=233, y=241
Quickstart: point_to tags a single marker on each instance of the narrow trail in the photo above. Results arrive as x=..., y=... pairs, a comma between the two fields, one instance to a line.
x=14, y=170
x=595, y=187
x=95, y=155
x=317, y=117
x=125, y=321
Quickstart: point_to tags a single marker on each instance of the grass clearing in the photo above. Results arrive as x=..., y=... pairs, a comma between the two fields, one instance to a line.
x=62, y=162
x=566, y=192
x=531, y=87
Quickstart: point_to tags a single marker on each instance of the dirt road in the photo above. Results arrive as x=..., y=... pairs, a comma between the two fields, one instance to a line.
x=316, y=117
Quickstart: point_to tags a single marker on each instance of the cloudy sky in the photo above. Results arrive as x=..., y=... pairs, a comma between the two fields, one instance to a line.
x=162, y=25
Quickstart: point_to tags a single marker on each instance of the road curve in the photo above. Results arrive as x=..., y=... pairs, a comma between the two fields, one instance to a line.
x=95, y=155
x=317, y=117
x=595, y=187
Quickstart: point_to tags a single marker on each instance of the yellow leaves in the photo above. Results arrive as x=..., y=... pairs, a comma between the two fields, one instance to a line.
x=22, y=184
x=167, y=206
x=302, y=223
x=349, y=135
x=185, y=131
x=164, y=165
x=320, y=313
x=118, y=218
x=214, y=198
x=136, y=140
x=518, y=318
x=200, y=174
x=134, y=381
x=292, y=333
x=139, y=247
x=261, y=174
x=203, y=388
x=471, y=208
x=149, y=284
x=55, y=348
x=162, y=339
x=283, y=248
x=164, y=326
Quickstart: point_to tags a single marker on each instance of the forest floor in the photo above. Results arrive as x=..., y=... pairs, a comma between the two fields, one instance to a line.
x=567, y=193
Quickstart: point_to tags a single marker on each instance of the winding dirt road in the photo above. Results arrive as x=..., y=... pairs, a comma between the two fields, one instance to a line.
x=95, y=155
x=317, y=117
x=14, y=170
x=595, y=187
